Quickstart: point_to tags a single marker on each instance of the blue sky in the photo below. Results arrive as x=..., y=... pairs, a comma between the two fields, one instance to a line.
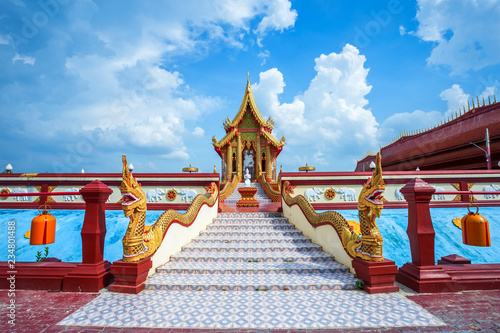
x=83, y=82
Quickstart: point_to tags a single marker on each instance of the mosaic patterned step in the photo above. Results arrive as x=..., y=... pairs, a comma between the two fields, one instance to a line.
x=290, y=256
x=219, y=310
x=250, y=228
x=251, y=233
x=257, y=220
x=242, y=282
x=228, y=239
x=250, y=215
x=254, y=250
x=277, y=247
x=252, y=268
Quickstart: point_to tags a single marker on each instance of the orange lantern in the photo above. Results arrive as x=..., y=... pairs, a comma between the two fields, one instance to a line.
x=475, y=229
x=43, y=228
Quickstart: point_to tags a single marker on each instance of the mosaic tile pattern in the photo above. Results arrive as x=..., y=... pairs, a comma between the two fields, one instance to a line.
x=230, y=281
x=253, y=268
x=251, y=309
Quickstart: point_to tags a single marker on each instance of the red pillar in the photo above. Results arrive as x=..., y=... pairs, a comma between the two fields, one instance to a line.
x=93, y=273
x=421, y=274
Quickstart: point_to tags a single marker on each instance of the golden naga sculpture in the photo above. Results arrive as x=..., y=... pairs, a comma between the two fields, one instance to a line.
x=368, y=245
x=141, y=241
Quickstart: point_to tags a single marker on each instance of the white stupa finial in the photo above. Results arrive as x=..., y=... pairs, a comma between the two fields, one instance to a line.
x=83, y=171
x=130, y=167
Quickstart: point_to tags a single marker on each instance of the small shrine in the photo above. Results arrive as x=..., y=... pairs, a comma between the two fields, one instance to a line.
x=248, y=143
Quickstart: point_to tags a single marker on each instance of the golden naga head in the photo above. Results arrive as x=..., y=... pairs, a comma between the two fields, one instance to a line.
x=371, y=195
x=133, y=197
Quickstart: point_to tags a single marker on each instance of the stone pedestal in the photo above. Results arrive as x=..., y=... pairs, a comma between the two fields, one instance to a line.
x=378, y=276
x=247, y=197
x=130, y=276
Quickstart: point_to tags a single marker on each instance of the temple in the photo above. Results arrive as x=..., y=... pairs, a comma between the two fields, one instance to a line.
x=448, y=146
x=248, y=143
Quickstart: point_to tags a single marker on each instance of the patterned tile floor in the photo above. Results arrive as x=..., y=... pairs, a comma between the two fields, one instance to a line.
x=262, y=310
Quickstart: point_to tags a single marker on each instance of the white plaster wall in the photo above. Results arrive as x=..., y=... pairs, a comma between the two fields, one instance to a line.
x=177, y=236
x=324, y=235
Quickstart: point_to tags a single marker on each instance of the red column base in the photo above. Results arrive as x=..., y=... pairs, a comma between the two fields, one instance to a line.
x=378, y=276
x=425, y=279
x=88, y=277
x=130, y=276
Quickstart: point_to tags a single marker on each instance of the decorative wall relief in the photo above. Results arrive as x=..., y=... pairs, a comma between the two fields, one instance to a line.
x=439, y=196
x=399, y=196
x=492, y=188
x=155, y=195
x=330, y=193
x=347, y=193
x=186, y=194
x=312, y=194
x=71, y=197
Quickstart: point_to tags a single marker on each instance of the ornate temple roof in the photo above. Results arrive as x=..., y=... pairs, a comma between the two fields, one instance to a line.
x=231, y=127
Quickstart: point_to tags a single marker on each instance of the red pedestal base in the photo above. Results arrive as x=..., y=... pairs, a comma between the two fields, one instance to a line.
x=130, y=276
x=378, y=276
x=88, y=277
x=449, y=277
x=247, y=197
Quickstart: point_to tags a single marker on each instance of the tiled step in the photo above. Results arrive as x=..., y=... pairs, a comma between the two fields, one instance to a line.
x=237, y=239
x=251, y=252
x=284, y=256
x=252, y=268
x=242, y=282
x=252, y=233
x=250, y=215
x=250, y=247
x=249, y=227
x=249, y=220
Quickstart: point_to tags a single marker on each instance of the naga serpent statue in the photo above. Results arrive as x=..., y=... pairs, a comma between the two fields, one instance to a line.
x=368, y=245
x=141, y=241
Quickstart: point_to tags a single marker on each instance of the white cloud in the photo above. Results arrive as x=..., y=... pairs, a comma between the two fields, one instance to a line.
x=279, y=16
x=464, y=32
x=455, y=98
x=3, y=41
x=198, y=132
x=417, y=120
x=331, y=114
x=24, y=59
x=177, y=155
x=264, y=55
x=488, y=92
x=402, y=30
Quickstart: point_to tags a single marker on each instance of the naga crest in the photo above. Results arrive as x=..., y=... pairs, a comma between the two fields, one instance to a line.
x=371, y=194
x=133, y=197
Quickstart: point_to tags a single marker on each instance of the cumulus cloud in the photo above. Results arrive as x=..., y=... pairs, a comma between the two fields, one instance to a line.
x=198, y=132
x=331, y=114
x=455, y=98
x=111, y=75
x=416, y=120
x=463, y=32
x=25, y=59
x=279, y=16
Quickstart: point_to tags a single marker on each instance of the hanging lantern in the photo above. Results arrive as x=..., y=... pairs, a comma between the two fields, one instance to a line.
x=475, y=229
x=43, y=228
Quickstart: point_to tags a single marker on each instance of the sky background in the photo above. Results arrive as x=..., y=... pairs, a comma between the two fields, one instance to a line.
x=83, y=82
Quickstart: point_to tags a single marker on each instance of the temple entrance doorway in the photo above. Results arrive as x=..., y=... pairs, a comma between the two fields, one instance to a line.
x=249, y=163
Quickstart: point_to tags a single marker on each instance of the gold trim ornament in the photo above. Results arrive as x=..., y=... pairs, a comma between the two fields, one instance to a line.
x=6, y=191
x=330, y=194
x=171, y=195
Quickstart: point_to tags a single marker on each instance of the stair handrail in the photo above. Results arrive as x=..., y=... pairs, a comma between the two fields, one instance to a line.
x=334, y=219
x=274, y=195
x=229, y=188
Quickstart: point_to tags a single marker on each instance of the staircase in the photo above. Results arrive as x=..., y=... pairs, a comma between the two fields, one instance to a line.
x=251, y=252
x=260, y=196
